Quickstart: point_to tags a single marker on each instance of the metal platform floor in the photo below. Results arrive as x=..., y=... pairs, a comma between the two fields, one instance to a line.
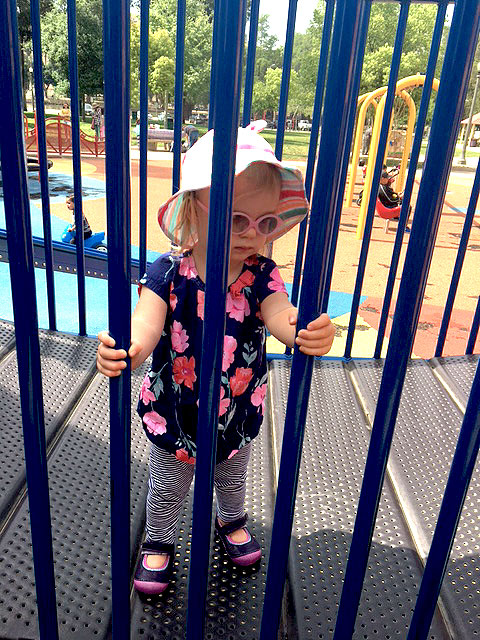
x=341, y=410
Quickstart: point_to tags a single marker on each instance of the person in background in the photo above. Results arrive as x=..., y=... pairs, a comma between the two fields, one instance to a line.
x=65, y=111
x=87, y=231
x=192, y=135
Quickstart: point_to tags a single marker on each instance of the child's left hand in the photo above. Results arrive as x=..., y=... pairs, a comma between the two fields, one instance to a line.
x=317, y=338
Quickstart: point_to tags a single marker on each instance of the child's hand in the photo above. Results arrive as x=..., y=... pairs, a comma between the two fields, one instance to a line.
x=317, y=338
x=111, y=361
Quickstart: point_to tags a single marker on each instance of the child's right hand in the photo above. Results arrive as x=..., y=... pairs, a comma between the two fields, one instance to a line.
x=111, y=361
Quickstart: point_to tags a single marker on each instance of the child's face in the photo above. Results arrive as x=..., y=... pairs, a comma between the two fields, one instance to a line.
x=70, y=205
x=255, y=202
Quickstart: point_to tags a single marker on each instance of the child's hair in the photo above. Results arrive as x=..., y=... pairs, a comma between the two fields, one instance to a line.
x=70, y=199
x=263, y=176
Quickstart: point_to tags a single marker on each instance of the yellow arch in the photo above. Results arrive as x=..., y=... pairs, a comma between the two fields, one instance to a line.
x=409, y=82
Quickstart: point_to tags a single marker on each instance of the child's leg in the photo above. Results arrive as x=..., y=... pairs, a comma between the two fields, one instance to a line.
x=168, y=485
x=230, y=485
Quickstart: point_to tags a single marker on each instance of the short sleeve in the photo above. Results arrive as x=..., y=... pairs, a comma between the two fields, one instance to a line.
x=159, y=276
x=268, y=280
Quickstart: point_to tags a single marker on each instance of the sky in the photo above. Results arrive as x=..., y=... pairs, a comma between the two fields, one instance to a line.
x=278, y=12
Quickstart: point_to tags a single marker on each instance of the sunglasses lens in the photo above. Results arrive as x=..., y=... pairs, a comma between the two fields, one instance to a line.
x=267, y=225
x=239, y=223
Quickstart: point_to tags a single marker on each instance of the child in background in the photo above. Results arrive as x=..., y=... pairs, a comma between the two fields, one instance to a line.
x=87, y=232
x=269, y=199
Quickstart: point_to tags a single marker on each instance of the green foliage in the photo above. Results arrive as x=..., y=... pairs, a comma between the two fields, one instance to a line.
x=89, y=47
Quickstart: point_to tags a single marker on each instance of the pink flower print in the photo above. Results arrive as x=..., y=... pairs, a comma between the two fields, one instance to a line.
x=187, y=267
x=182, y=455
x=145, y=394
x=245, y=279
x=258, y=396
x=229, y=346
x=200, y=303
x=276, y=283
x=237, y=306
x=240, y=381
x=173, y=301
x=224, y=402
x=179, y=337
x=232, y=453
x=184, y=371
x=155, y=423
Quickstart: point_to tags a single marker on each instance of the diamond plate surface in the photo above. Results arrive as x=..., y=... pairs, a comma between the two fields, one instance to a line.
x=422, y=450
x=235, y=594
x=79, y=495
x=333, y=460
x=460, y=369
x=67, y=365
x=7, y=337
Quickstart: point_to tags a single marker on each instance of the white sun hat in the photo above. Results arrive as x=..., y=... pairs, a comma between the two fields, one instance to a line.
x=251, y=148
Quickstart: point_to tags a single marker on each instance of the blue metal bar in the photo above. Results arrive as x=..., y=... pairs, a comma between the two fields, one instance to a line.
x=474, y=330
x=347, y=36
x=250, y=69
x=143, y=146
x=178, y=115
x=312, y=148
x=382, y=143
x=407, y=195
x=287, y=65
x=459, y=478
x=22, y=276
x=116, y=47
x=227, y=74
x=454, y=80
x=346, y=156
x=77, y=169
x=42, y=158
x=462, y=249
x=211, y=105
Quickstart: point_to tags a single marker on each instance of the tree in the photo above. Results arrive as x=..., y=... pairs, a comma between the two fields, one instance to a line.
x=89, y=47
x=268, y=53
x=160, y=47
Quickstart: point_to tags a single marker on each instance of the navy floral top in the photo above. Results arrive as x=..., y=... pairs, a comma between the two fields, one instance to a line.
x=168, y=403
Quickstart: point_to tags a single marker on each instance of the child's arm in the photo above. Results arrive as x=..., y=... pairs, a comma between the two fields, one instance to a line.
x=280, y=318
x=147, y=325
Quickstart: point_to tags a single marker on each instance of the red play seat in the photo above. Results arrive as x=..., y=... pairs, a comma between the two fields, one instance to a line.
x=387, y=213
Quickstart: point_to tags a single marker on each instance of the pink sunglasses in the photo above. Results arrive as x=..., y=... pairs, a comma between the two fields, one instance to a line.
x=241, y=222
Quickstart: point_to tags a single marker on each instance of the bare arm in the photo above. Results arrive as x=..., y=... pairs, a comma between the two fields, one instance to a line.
x=148, y=321
x=280, y=318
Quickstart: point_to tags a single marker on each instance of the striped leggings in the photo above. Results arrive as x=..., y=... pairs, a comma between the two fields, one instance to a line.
x=170, y=480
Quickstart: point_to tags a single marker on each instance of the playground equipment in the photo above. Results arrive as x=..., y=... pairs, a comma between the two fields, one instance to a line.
x=58, y=132
x=350, y=573
x=366, y=100
x=95, y=241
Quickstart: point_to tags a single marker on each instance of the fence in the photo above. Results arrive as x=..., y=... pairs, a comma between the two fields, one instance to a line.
x=340, y=64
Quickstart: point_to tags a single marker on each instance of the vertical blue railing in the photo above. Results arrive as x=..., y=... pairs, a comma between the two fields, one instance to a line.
x=312, y=147
x=473, y=330
x=346, y=41
x=287, y=65
x=143, y=142
x=407, y=194
x=22, y=277
x=382, y=144
x=116, y=47
x=250, y=67
x=178, y=113
x=227, y=74
x=42, y=158
x=456, y=69
x=459, y=478
x=457, y=271
x=77, y=171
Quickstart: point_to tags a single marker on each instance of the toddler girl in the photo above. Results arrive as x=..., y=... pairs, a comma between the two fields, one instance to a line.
x=269, y=199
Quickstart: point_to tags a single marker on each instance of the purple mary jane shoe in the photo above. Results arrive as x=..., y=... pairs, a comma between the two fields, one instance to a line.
x=153, y=581
x=241, y=553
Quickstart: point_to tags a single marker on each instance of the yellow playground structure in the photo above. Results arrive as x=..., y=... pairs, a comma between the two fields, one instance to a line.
x=377, y=100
